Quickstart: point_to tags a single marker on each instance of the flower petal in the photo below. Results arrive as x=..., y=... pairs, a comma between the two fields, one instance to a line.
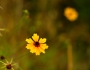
x=43, y=46
x=42, y=50
x=37, y=51
x=29, y=40
x=33, y=50
x=42, y=40
x=35, y=37
x=30, y=46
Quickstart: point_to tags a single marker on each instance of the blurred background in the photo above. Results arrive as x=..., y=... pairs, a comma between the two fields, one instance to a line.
x=68, y=40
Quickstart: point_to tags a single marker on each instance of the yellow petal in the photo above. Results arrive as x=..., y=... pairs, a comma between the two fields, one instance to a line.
x=42, y=40
x=42, y=50
x=29, y=40
x=33, y=50
x=43, y=46
x=37, y=51
x=35, y=37
x=30, y=46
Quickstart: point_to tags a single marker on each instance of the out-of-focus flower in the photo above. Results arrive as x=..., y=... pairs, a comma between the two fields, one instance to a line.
x=26, y=11
x=70, y=13
x=36, y=45
x=8, y=65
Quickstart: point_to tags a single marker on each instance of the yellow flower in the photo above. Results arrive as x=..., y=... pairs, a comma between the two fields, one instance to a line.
x=70, y=13
x=8, y=65
x=36, y=45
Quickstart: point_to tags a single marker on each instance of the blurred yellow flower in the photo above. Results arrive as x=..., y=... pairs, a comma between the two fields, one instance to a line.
x=36, y=45
x=8, y=65
x=70, y=13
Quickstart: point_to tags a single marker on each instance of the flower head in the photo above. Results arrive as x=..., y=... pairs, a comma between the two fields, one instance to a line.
x=70, y=13
x=8, y=65
x=36, y=45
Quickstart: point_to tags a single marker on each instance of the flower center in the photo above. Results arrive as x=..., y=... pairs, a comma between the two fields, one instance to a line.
x=37, y=44
x=9, y=66
x=2, y=57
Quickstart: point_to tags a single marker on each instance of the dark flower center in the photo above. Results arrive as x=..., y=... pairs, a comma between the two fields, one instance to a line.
x=37, y=44
x=2, y=57
x=9, y=66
